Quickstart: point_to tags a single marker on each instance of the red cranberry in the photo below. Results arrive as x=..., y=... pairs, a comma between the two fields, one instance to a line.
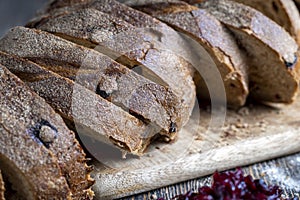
x=233, y=186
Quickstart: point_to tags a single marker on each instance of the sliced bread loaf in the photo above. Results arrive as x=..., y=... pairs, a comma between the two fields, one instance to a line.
x=273, y=53
x=25, y=155
x=143, y=98
x=128, y=45
x=217, y=41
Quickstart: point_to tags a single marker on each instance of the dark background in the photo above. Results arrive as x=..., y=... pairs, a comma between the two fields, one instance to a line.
x=17, y=12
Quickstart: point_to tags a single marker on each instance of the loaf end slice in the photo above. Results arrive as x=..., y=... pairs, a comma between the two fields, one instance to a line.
x=65, y=146
x=24, y=157
x=273, y=53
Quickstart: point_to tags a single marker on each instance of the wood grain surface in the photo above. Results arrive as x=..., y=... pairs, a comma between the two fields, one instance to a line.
x=253, y=134
x=284, y=172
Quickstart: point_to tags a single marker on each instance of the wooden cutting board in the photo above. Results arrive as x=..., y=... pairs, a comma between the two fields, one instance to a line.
x=254, y=133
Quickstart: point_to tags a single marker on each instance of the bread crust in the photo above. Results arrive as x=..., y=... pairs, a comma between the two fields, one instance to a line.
x=272, y=51
x=24, y=157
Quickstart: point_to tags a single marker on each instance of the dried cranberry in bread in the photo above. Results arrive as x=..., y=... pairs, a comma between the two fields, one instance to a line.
x=273, y=53
x=25, y=153
x=216, y=40
x=283, y=12
x=2, y=187
x=152, y=102
x=92, y=115
x=130, y=46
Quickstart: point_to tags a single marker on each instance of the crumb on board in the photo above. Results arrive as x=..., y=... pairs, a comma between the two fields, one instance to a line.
x=198, y=137
x=244, y=111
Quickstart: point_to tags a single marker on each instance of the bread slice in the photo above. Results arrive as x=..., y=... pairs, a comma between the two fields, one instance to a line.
x=273, y=53
x=32, y=170
x=2, y=187
x=129, y=46
x=91, y=114
x=143, y=98
x=283, y=12
x=25, y=157
x=70, y=156
x=216, y=40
